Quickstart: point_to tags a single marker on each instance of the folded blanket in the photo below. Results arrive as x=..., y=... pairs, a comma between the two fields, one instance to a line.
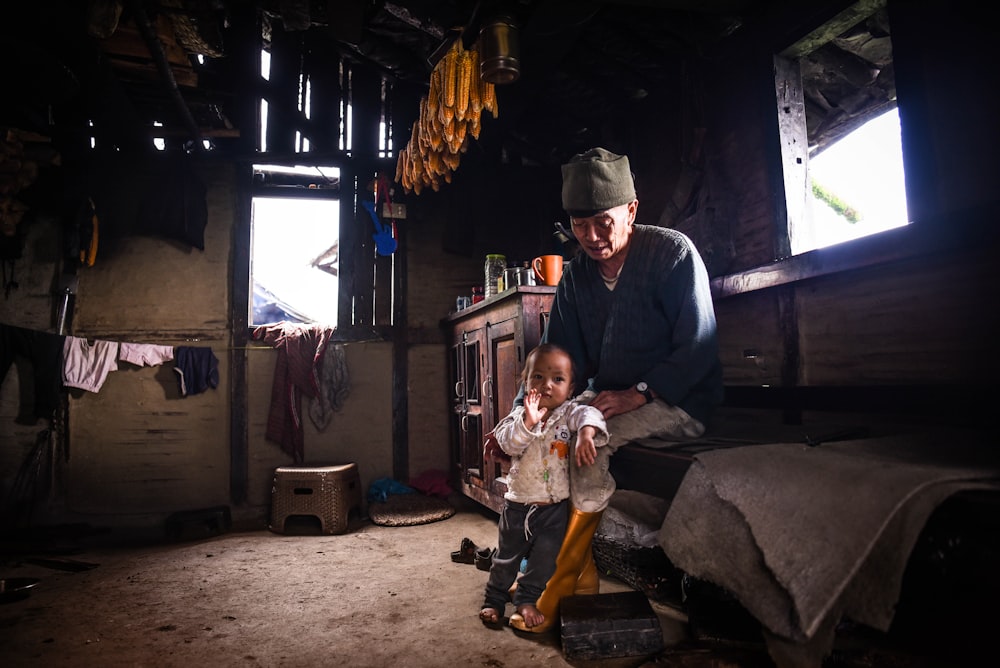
x=805, y=535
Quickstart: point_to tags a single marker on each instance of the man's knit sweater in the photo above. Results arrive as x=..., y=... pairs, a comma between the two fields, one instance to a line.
x=657, y=325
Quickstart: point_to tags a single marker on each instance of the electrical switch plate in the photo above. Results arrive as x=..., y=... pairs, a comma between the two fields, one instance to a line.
x=397, y=211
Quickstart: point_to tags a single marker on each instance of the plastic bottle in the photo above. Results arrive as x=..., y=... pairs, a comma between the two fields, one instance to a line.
x=493, y=282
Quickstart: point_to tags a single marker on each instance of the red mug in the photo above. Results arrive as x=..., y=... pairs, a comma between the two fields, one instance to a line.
x=548, y=269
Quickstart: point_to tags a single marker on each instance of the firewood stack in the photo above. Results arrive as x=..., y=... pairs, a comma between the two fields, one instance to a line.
x=450, y=114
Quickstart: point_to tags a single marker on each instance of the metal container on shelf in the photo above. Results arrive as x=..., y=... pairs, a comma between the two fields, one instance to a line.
x=511, y=277
x=527, y=274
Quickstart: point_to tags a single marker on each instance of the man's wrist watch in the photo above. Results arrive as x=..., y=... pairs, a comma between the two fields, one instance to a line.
x=642, y=388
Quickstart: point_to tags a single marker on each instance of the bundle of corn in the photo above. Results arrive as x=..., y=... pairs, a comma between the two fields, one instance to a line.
x=450, y=113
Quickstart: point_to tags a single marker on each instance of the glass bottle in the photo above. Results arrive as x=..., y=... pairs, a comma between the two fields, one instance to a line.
x=493, y=281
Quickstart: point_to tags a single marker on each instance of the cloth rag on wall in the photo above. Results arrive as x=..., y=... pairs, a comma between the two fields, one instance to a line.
x=804, y=536
x=85, y=365
x=44, y=351
x=197, y=369
x=304, y=367
x=333, y=385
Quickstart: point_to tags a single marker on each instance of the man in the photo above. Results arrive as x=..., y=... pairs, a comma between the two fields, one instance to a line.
x=635, y=312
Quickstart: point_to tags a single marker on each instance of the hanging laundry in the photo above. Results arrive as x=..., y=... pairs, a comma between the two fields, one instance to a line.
x=44, y=351
x=333, y=385
x=87, y=366
x=297, y=371
x=145, y=354
x=197, y=369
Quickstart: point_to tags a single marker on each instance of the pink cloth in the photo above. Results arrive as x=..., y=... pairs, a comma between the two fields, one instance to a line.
x=87, y=366
x=432, y=483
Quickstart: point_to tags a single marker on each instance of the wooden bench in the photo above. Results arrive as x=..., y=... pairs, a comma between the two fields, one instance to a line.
x=811, y=415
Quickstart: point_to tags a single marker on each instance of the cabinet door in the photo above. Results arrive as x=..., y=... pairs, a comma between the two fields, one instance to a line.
x=504, y=369
x=504, y=359
x=467, y=404
x=465, y=371
x=470, y=440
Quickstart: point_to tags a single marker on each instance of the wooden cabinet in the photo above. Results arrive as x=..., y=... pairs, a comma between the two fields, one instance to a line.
x=488, y=343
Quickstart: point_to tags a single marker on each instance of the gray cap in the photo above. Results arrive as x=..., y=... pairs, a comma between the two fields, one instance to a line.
x=596, y=180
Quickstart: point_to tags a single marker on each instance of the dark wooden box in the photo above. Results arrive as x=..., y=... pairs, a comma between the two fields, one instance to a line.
x=604, y=626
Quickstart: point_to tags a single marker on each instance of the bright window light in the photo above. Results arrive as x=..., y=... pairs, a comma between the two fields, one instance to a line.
x=294, y=260
x=858, y=186
x=159, y=142
x=263, y=126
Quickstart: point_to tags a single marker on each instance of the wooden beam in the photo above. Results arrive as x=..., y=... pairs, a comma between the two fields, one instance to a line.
x=959, y=231
x=843, y=21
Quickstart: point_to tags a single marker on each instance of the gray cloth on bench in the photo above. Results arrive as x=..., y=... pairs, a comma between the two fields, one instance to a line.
x=805, y=535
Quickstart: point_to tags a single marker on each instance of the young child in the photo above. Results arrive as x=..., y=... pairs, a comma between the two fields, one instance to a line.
x=537, y=436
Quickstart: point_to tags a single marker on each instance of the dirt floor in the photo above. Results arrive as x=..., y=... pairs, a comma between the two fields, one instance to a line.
x=376, y=596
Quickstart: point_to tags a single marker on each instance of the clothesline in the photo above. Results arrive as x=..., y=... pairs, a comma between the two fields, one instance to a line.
x=310, y=363
x=60, y=361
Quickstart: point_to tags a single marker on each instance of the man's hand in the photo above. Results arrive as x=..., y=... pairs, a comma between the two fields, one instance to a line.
x=492, y=449
x=616, y=402
x=586, y=451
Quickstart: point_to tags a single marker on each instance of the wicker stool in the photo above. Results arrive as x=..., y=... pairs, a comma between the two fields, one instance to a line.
x=326, y=492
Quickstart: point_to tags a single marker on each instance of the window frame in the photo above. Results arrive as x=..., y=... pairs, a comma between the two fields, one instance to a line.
x=890, y=245
x=792, y=124
x=291, y=192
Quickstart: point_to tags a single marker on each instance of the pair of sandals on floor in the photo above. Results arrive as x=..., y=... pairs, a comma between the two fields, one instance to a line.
x=470, y=553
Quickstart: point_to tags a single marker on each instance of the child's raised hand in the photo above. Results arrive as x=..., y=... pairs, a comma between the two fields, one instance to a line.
x=533, y=413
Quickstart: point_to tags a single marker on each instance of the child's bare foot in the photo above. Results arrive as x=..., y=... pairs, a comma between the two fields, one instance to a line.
x=531, y=615
x=489, y=616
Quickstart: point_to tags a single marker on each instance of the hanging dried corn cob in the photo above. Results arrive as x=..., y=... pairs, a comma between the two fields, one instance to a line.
x=449, y=115
x=490, y=99
x=405, y=177
x=434, y=92
x=475, y=85
x=451, y=159
x=464, y=85
x=451, y=73
x=400, y=160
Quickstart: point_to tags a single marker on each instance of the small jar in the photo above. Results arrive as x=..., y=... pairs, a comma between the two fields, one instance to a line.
x=493, y=279
x=477, y=294
x=527, y=274
x=511, y=277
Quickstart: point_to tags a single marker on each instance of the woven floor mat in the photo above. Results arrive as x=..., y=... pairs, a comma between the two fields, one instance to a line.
x=401, y=510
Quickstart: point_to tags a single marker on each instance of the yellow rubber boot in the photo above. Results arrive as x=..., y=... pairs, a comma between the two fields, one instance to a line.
x=575, y=556
x=589, y=581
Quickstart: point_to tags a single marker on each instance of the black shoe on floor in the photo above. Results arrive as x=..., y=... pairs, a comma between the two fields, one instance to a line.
x=466, y=553
x=484, y=558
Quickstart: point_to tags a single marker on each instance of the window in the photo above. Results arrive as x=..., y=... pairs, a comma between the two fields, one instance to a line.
x=309, y=94
x=856, y=186
x=295, y=245
x=839, y=127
